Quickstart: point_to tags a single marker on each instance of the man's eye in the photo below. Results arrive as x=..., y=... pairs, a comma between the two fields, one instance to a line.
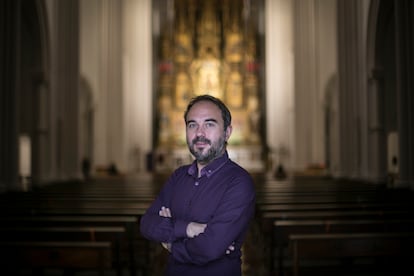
x=191, y=125
x=209, y=124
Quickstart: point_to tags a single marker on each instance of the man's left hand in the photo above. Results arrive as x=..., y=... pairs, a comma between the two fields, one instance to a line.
x=167, y=246
x=230, y=249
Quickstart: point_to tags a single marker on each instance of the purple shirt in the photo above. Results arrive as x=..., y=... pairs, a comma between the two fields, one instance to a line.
x=223, y=198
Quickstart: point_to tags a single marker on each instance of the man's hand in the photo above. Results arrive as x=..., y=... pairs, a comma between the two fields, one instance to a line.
x=165, y=212
x=167, y=246
x=194, y=229
x=230, y=249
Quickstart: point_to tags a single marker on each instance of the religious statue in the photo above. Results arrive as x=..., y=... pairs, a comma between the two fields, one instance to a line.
x=254, y=119
x=207, y=75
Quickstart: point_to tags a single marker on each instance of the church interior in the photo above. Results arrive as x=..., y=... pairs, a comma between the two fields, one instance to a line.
x=92, y=98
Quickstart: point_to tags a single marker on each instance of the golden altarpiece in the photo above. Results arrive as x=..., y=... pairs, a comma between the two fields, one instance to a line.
x=209, y=47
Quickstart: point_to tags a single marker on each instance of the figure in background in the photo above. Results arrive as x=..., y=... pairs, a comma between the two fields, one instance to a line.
x=203, y=212
x=86, y=168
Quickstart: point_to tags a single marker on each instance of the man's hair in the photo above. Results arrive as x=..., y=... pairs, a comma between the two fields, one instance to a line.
x=225, y=112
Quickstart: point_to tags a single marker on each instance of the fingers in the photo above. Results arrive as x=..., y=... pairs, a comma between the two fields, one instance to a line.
x=166, y=246
x=194, y=229
x=230, y=249
x=165, y=212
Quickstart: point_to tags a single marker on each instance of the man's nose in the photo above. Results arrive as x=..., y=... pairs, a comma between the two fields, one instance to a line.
x=200, y=131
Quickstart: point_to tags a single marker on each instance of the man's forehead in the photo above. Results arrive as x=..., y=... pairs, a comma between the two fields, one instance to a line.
x=204, y=109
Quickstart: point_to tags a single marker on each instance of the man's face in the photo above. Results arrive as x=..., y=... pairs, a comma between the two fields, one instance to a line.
x=205, y=132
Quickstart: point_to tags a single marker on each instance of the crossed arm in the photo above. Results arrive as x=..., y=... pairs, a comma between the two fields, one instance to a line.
x=193, y=229
x=188, y=240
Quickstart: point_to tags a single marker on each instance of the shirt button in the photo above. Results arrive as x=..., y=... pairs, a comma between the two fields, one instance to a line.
x=196, y=183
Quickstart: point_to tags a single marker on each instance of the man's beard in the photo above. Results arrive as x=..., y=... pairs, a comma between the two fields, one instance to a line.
x=215, y=150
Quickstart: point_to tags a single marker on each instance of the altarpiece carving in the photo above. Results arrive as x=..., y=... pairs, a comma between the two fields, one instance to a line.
x=209, y=47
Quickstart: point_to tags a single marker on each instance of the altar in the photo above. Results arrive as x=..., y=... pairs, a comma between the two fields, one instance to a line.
x=210, y=47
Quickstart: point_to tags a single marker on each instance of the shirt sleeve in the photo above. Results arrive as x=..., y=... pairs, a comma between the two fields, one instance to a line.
x=230, y=221
x=161, y=229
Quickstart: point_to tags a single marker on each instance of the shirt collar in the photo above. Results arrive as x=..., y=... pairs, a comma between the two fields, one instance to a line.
x=211, y=168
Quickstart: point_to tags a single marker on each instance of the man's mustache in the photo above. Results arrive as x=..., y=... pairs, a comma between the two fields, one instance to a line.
x=201, y=139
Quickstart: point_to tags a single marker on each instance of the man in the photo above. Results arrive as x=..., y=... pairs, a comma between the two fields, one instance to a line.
x=203, y=212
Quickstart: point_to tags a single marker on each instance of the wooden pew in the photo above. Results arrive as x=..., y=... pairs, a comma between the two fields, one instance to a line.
x=283, y=229
x=322, y=212
x=114, y=235
x=84, y=203
x=334, y=196
x=397, y=246
x=321, y=199
x=87, y=222
x=326, y=205
x=317, y=206
x=78, y=200
x=15, y=255
x=269, y=218
x=81, y=208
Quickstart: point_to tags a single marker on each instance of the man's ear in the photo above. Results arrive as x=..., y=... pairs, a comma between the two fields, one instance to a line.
x=228, y=132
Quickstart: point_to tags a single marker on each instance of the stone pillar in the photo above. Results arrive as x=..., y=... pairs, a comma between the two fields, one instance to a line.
x=315, y=65
x=9, y=82
x=308, y=107
x=377, y=139
x=351, y=89
x=404, y=14
x=279, y=86
x=64, y=89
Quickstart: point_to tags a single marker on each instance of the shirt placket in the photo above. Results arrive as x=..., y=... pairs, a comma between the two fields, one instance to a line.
x=192, y=193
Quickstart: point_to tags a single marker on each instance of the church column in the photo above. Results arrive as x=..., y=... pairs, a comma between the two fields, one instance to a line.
x=9, y=49
x=376, y=129
x=280, y=117
x=376, y=155
x=315, y=67
x=64, y=88
x=405, y=70
x=137, y=82
x=351, y=90
x=308, y=127
x=108, y=94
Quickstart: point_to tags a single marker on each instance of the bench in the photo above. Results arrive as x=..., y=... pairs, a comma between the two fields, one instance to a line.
x=331, y=214
x=278, y=206
x=283, y=229
x=15, y=255
x=395, y=246
x=88, y=225
x=316, y=205
x=114, y=235
x=116, y=207
x=98, y=203
x=268, y=220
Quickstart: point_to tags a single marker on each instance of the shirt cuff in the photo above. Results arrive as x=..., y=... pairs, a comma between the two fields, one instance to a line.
x=180, y=229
